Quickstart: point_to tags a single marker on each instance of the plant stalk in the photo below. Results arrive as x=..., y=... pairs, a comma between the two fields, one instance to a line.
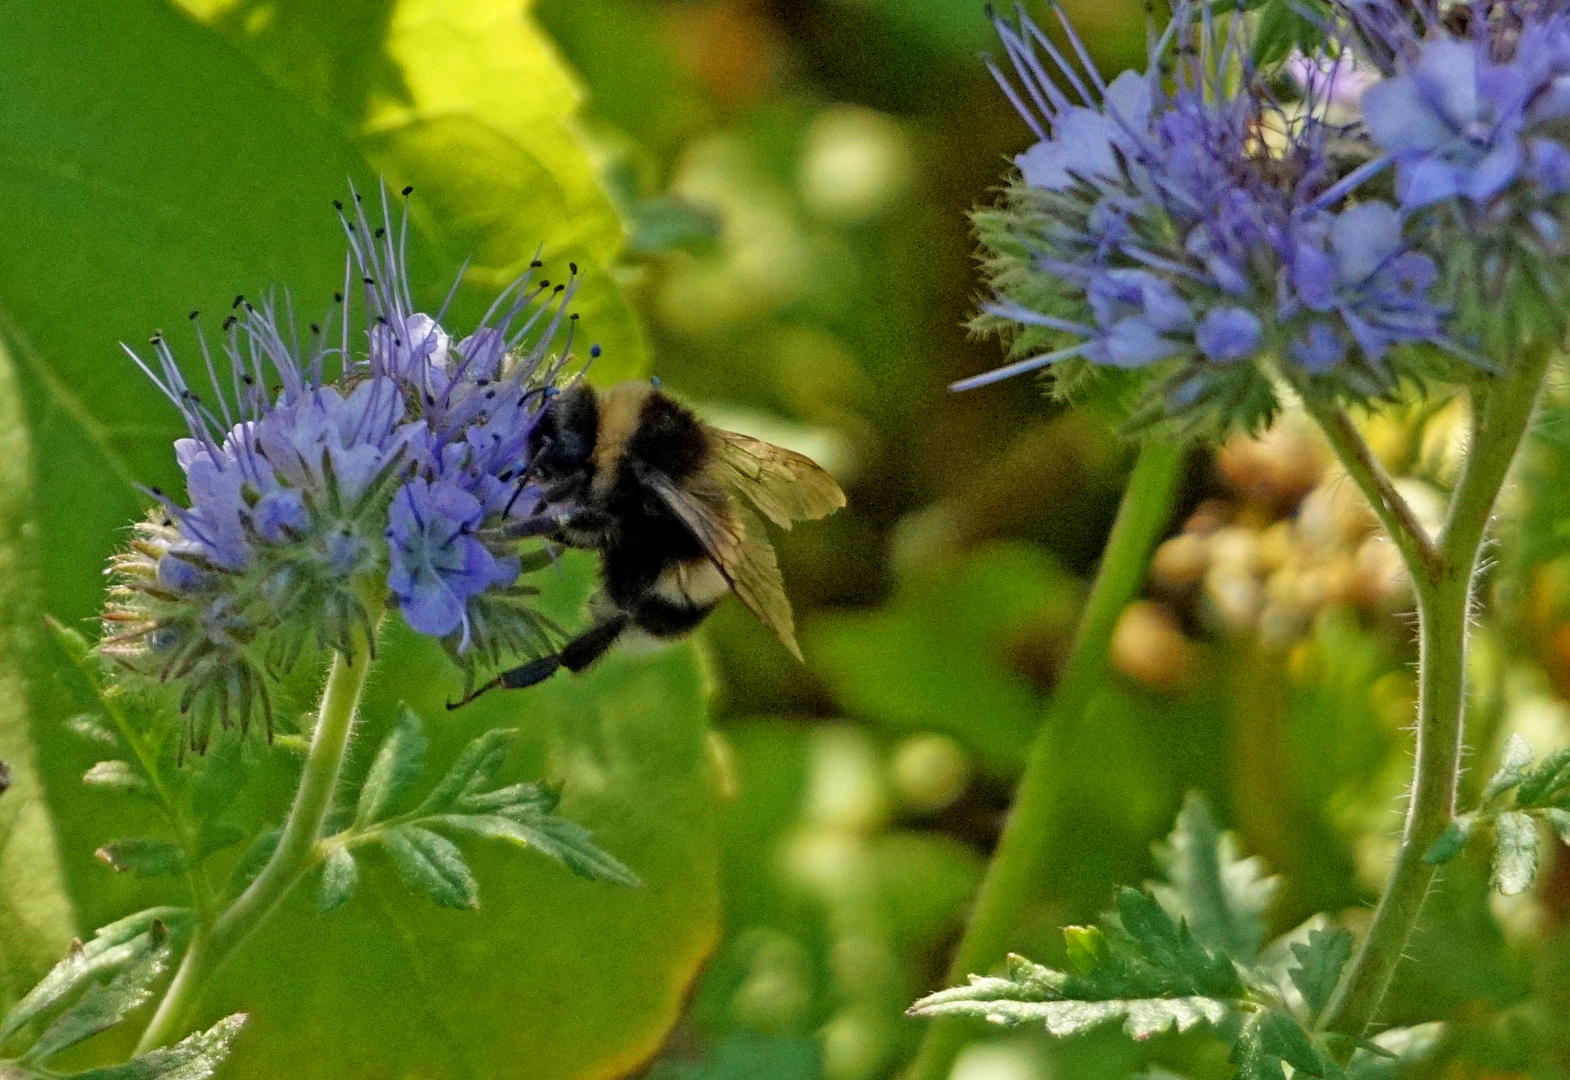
x=213, y=944
x=1017, y=863
x=1444, y=585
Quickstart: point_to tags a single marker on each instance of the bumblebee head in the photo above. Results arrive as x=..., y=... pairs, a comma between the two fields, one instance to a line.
x=562, y=443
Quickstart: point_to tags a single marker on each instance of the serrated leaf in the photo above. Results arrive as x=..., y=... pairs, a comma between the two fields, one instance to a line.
x=214, y=836
x=219, y=780
x=104, y=1006
x=397, y=762
x=340, y=874
x=1546, y=779
x=1142, y=1017
x=1512, y=768
x=253, y=858
x=1181, y=964
x=1515, y=852
x=475, y=768
x=195, y=1057
x=111, y=948
x=1560, y=820
x=1282, y=1037
x=1319, y=964
x=115, y=775
x=1221, y=895
x=143, y=857
x=557, y=837
x=1452, y=841
x=431, y=865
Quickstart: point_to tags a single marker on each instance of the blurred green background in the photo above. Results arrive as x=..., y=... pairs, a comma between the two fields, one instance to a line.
x=770, y=199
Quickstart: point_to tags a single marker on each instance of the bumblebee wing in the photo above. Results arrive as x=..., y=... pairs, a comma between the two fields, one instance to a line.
x=735, y=541
x=785, y=485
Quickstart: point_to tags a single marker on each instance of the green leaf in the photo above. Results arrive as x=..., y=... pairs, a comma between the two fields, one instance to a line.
x=170, y=172
x=1319, y=964
x=400, y=759
x=340, y=874
x=114, y=775
x=143, y=857
x=557, y=837
x=1545, y=780
x=1270, y=1038
x=1560, y=820
x=393, y=985
x=195, y=1057
x=432, y=865
x=1180, y=963
x=475, y=768
x=1280, y=28
x=111, y=948
x=1222, y=895
x=214, y=836
x=1141, y=1017
x=36, y=917
x=219, y=780
x=1512, y=768
x=104, y=1006
x=1515, y=852
x=253, y=858
x=1452, y=841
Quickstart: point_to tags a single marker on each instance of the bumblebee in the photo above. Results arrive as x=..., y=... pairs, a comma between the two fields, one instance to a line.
x=636, y=477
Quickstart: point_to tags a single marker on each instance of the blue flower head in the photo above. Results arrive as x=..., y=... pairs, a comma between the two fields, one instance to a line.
x=1474, y=113
x=321, y=478
x=1182, y=224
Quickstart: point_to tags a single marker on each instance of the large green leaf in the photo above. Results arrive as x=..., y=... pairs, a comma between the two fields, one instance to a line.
x=552, y=972
x=150, y=165
x=35, y=915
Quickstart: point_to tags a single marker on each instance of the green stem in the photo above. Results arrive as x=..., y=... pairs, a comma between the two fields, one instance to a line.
x=1017, y=862
x=1444, y=587
x=211, y=945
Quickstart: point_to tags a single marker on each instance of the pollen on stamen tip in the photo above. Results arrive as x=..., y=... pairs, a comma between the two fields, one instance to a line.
x=408, y=191
x=193, y=314
x=594, y=352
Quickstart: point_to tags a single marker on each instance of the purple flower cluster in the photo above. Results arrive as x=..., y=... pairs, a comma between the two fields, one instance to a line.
x=1472, y=116
x=385, y=470
x=1186, y=220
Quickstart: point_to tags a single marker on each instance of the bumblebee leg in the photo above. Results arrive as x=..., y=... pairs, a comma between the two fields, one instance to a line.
x=593, y=643
x=576, y=655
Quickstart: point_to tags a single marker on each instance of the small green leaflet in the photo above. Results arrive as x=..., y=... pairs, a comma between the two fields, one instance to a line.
x=1222, y=895
x=104, y=1006
x=111, y=949
x=143, y=857
x=427, y=860
x=340, y=874
x=1145, y=970
x=1452, y=841
x=195, y=1057
x=397, y=764
x=1512, y=768
x=431, y=864
x=1319, y=964
x=1270, y=1038
x=1515, y=852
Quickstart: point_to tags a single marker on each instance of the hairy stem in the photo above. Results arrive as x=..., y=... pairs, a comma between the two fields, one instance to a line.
x=213, y=944
x=1444, y=587
x=1017, y=862
x=1395, y=514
